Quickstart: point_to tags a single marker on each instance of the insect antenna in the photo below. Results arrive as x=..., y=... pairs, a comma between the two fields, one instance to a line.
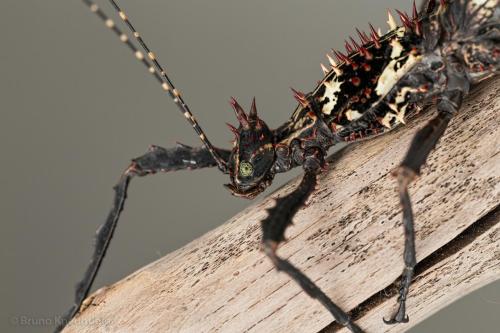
x=158, y=72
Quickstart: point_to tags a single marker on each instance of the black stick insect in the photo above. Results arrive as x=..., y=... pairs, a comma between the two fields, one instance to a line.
x=435, y=54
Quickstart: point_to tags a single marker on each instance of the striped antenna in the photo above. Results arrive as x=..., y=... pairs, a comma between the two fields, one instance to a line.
x=158, y=72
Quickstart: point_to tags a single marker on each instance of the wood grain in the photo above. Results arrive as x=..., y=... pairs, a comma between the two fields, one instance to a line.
x=348, y=240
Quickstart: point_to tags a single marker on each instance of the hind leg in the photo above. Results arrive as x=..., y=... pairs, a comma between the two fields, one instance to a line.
x=424, y=141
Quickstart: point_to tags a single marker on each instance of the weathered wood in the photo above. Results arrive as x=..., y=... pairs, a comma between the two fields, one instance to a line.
x=349, y=240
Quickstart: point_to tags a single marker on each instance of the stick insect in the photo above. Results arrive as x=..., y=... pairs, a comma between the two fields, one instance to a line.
x=436, y=53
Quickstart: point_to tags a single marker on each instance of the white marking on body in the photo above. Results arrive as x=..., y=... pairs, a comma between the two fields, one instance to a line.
x=94, y=8
x=331, y=88
x=400, y=32
x=391, y=75
x=401, y=96
x=397, y=48
x=399, y=113
x=399, y=110
x=123, y=38
x=165, y=86
x=123, y=16
x=352, y=114
x=386, y=121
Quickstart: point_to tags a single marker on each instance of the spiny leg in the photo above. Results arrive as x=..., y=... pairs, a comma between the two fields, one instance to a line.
x=424, y=141
x=273, y=230
x=157, y=159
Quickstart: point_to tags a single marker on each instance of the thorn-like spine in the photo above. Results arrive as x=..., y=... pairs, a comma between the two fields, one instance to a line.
x=300, y=97
x=376, y=41
x=337, y=56
x=233, y=129
x=374, y=32
x=356, y=45
x=367, y=54
x=323, y=68
x=348, y=47
x=177, y=143
x=405, y=19
x=330, y=60
x=363, y=37
x=416, y=21
x=363, y=51
x=391, y=21
x=418, y=28
x=337, y=70
x=240, y=114
x=253, y=111
x=342, y=57
x=300, y=94
x=375, y=37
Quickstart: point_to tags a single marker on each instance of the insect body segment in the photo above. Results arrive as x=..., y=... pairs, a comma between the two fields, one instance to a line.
x=354, y=96
x=434, y=55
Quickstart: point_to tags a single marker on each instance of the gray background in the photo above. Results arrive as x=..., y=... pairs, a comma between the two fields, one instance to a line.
x=76, y=106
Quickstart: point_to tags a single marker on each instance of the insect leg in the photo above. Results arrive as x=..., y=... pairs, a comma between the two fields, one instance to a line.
x=424, y=141
x=273, y=230
x=157, y=159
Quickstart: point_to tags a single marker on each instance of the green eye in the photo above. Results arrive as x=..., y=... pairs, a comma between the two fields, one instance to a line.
x=246, y=169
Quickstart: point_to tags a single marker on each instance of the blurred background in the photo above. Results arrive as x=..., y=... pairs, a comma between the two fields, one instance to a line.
x=76, y=107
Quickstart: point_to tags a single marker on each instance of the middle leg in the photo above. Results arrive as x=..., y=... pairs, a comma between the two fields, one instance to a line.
x=423, y=143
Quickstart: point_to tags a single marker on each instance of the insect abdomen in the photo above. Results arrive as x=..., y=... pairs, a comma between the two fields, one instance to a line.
x=354, y=97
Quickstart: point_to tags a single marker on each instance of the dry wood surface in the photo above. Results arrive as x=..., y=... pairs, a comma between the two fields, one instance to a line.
x=349, y=240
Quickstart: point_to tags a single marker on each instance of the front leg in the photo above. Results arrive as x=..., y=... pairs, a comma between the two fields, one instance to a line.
x=280, y=217
x=157, y=159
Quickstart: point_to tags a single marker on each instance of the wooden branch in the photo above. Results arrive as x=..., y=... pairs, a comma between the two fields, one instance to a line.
x=349, y=240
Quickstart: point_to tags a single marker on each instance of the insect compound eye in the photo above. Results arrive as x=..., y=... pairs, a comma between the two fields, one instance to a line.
x=246, y=169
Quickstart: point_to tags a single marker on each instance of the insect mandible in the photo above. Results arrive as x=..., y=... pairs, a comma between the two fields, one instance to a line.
x=436, y=53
